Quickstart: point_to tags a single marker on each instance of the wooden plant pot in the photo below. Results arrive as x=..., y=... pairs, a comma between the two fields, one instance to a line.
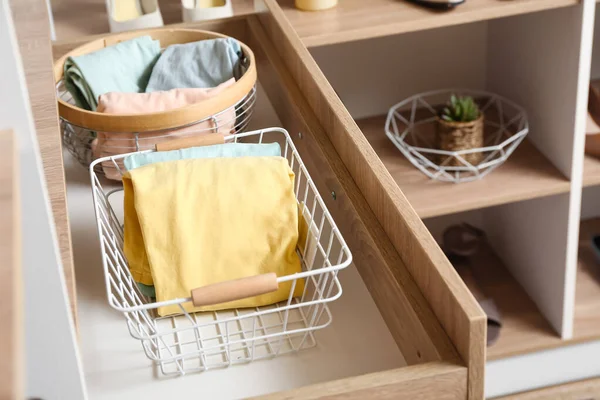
x=457, y=136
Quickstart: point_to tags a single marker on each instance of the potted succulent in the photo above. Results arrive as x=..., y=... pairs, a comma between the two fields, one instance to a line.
x=460, y=127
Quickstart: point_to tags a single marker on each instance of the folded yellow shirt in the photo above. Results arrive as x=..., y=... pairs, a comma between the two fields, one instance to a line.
x=191, y=223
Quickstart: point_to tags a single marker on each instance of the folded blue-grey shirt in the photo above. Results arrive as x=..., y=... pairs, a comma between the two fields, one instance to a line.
x=203, y=64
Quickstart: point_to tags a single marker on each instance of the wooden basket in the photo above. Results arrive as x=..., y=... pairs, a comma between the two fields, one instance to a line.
x=160, y=120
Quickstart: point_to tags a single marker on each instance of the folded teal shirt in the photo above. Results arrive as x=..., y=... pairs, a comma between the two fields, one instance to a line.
x=123, y=67
x=220, y=150
x=202, y=64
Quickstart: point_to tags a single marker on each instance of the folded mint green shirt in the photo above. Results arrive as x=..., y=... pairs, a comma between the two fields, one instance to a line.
x=124, y=67
x=219, y=150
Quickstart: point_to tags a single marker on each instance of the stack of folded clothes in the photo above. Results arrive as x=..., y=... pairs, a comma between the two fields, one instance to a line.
x=133, y=77
x=211, y=214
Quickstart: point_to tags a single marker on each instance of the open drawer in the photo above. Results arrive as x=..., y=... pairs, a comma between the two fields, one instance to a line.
x=406, y=327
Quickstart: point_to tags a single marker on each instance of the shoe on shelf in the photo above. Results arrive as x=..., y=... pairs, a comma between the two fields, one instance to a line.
x=463, y=245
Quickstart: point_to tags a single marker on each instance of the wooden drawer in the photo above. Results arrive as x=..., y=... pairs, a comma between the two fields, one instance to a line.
x=435, y=323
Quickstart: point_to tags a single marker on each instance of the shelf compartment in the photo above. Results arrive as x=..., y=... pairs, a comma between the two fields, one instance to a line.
x=591, y=171
x=524, y=328
x=527, y=174
x=587, y=296
x=355, y=20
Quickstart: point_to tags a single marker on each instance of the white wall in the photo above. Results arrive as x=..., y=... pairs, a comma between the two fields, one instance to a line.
x=372, y=75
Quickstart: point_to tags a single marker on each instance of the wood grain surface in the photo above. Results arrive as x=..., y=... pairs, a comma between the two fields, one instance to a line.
x=11, y=309
x=454, y=306
x=437, y=380
x=583, y=390
x=30, y=18
x=527, y=174
x=407, y=314
x=359, y=19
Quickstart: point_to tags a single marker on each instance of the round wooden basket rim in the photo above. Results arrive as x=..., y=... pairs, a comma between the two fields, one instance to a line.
x=157, y=121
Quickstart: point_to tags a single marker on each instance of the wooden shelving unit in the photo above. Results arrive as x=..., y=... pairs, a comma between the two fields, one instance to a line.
x=11, y=332
x=527, y=205
x=526, y=175
x=359, y=19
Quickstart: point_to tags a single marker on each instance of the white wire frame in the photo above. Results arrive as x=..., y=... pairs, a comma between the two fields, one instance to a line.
x=81, y=141
x=407, y=120
x=191, y=342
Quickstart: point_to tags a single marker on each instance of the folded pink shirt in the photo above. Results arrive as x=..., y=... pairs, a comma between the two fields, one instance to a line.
x=110, y=143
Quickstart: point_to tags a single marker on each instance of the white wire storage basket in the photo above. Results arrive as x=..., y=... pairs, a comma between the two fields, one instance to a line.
x=411, y=126
x=190, y=342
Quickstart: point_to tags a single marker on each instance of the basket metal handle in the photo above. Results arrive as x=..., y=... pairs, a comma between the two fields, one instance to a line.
x=195, y=141
x=235, y=289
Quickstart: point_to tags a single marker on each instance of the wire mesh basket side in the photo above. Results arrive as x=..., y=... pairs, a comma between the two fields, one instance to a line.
x=410, y=125
x=87, y=145
x=203, y=340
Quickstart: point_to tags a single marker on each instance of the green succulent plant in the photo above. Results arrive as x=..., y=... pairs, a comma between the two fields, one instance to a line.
x=460, y=109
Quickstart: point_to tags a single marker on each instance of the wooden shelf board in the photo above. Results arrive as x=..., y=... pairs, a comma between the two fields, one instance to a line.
x=587, y=296
x=359, y=19
x=524, y=329
x=526, y=175
x=591, y=171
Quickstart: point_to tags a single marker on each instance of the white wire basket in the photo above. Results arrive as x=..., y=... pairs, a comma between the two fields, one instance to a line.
x=411, y=126
x=193, y=342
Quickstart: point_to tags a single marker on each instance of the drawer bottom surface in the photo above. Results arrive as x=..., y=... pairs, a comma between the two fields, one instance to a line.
x=356, y=343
